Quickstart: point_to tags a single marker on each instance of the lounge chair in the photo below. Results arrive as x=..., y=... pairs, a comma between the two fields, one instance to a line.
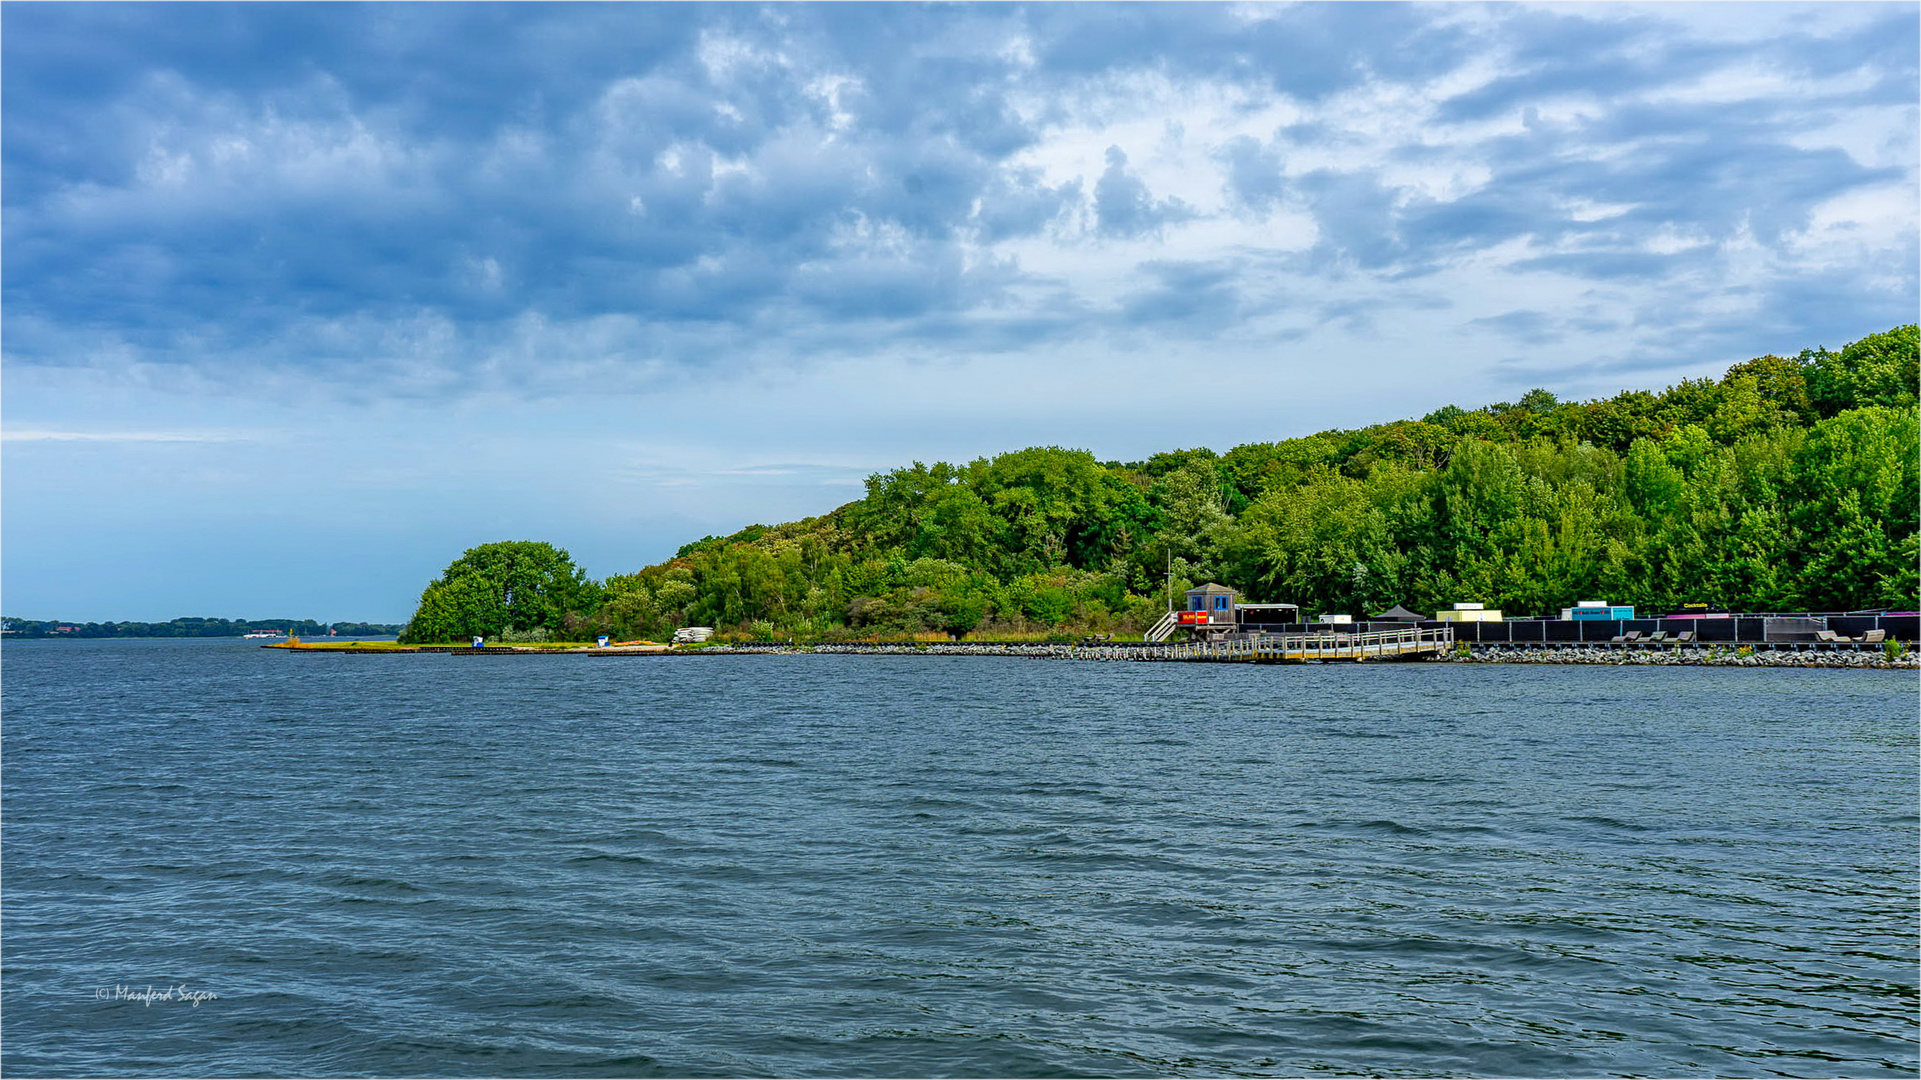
x=1874, y=637
x=1685, y=637
x=1630, y=637
x=1658, y=636
x=1827, y=637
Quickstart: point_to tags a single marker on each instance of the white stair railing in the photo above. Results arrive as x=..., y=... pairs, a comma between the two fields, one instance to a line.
x=1164, y=629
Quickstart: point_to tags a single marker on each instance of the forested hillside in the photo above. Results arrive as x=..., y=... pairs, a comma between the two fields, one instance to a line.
x=1788, y=484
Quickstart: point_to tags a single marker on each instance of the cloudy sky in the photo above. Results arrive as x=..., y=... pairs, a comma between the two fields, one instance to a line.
x=299, y=301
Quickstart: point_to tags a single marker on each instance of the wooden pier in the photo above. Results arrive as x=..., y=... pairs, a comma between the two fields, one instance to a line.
x=1410, y=644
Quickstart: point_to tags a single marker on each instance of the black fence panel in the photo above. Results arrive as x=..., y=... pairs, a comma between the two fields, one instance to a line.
x=1797, y=628
x=1600, y=629
x=1721, y=630
x=1852, y=625
x=1713, y=629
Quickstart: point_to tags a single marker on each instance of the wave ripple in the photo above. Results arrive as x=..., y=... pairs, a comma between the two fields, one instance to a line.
x=853, y=865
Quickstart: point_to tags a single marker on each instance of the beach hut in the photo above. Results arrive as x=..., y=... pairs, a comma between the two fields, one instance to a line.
x=1210, y=608
x=1597, y=610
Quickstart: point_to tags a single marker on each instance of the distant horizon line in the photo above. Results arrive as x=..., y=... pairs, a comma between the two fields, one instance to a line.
x=201, y=618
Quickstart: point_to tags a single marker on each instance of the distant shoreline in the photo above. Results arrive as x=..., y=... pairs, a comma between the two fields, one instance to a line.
x=18, y=629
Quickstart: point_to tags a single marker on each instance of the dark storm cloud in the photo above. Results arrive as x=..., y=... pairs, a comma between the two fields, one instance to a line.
x=1531, y=327
x=1357, y=215
x=1018, y=202
x=1306, y=51
x=1124, y=207
x=1201, y=298
x=1254, y=176
x=1562, y=55
x=410, y=186
x=484, y=161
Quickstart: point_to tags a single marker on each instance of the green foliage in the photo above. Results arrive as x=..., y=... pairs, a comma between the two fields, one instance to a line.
x=1879, y=369
x=1853, y=495
x=363, y=629
x=512, y=586
x=1788, y=484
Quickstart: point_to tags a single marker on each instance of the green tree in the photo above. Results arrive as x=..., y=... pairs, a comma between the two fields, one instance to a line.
x=456, y=606
x=511, y=585
x=1194, y=523
x=1855, y=499
x=1782, y=382
x=1880, y=369
x=1335, y=543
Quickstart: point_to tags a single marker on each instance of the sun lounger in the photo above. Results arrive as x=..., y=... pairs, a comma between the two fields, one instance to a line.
x=1826, y=637
x=1630, y=637
x=1658, y=635
x=1685, y=637
x=1874, y=637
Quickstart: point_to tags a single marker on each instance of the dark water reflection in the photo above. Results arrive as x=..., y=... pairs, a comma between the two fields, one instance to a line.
x=951, y=866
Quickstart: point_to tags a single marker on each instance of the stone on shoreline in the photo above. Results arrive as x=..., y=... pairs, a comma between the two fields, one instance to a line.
x=1692, y=656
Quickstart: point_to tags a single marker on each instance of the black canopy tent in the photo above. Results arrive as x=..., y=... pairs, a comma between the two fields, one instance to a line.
x=1397, y=613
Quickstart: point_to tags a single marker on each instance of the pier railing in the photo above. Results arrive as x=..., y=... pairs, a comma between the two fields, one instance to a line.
x=1162, y=630
x=1301, y=648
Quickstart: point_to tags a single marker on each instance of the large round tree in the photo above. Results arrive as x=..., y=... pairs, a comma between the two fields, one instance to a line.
x=515, y=585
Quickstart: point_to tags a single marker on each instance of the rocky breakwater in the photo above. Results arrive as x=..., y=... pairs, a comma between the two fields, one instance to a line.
x=1477, y=654
x=1024, y=649
x=1689, y=657
x=1028, y=650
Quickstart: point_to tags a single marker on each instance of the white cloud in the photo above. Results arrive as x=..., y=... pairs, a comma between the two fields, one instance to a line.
x=44, y=435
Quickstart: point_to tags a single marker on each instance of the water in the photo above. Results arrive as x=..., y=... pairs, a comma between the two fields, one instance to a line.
x=436, y=866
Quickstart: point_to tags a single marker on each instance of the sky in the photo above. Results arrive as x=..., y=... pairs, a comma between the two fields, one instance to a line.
x=299, y=302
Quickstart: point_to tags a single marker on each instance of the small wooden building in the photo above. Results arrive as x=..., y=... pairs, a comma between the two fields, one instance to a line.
x=1210, y=609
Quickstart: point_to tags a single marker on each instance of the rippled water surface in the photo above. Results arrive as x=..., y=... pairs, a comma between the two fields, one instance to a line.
x=844, y=865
